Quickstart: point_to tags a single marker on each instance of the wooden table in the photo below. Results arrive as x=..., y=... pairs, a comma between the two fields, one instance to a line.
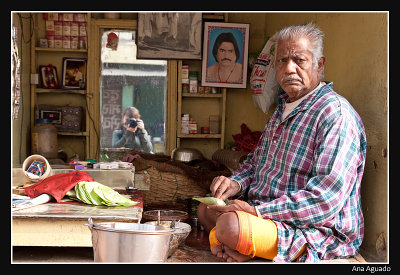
x=57, y=224
x=62, y=224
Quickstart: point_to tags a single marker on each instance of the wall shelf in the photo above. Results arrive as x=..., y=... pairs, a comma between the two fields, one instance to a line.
x=71, y=142
x=202, y=95
x=200, y=107
x=55, y=91
x=199, y=135
x=63, y=50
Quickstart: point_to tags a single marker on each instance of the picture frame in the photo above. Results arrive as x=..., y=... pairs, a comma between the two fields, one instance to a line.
x=74, y=73
x=169, y=35
x=223, y=42
x=49, y=77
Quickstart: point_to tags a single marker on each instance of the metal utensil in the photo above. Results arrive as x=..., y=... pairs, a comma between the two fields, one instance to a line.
x=130, y=187
x=186, y=154
x=173, y=223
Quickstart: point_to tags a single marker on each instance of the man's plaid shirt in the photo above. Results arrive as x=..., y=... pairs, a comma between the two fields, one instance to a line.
x=305, y=175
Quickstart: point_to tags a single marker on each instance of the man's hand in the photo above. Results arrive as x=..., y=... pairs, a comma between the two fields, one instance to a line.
x=130, y=129
x=140, y=124
x=234, y=205
x=223, y=187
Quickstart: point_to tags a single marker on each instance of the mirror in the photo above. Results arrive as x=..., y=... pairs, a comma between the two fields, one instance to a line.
x=132, y=97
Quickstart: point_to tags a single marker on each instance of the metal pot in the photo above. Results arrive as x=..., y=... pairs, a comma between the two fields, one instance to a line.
x=186, y=154
x=129, y=242
x=181, y=231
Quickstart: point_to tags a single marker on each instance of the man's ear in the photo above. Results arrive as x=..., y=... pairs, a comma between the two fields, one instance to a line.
x=321, y=63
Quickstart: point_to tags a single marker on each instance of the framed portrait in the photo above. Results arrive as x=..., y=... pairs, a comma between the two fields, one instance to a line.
x=49, y=77
x=74, y=73
x=169, y=35
x=225, y=54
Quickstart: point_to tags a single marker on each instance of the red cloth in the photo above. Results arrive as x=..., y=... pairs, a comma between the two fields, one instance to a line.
x=246, y=140
x=57, y=185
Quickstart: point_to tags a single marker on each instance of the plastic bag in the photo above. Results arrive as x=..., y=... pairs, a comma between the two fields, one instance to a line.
x=263, y=81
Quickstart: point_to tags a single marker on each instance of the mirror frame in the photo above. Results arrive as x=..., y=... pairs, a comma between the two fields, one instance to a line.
x=93, y=83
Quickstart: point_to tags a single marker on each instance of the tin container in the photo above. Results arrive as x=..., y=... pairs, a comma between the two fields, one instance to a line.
x=58, y=42
x=82, y=29
x=66, y=42
x=44, y=139
x=58, y=28
x=28, y=161
x=74, y=29
x=66, y=28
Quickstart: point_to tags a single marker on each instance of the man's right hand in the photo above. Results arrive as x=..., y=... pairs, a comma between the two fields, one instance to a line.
x=223, y=187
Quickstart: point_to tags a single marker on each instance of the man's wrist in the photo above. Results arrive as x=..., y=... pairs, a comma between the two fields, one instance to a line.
x=239, y=187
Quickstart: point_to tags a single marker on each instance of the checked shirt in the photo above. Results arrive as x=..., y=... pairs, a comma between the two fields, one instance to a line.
x=305, y=175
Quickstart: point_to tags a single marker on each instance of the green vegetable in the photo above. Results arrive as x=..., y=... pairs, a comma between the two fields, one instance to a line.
x=211, y=201
x=98, y=194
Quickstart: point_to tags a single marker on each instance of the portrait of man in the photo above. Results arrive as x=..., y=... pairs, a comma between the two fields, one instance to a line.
x=225, y=52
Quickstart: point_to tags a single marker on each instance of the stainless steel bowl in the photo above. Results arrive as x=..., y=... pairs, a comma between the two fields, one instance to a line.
x=186, y=154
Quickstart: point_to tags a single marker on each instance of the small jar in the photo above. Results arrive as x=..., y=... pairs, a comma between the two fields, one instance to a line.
x=205, y=130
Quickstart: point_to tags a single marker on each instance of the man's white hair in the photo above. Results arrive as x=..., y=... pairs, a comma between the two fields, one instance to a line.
x=310, y=31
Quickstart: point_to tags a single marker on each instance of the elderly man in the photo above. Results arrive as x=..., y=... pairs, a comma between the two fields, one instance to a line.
x=301, y=184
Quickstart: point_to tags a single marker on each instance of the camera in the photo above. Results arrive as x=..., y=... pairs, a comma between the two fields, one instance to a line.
x=132, y=122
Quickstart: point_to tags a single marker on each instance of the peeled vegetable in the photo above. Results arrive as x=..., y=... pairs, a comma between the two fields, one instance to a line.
x=98, y=194
x=211, y=201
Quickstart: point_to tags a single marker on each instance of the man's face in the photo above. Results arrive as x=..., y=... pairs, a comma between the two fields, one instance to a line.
x=294, y=67
x=226, y=54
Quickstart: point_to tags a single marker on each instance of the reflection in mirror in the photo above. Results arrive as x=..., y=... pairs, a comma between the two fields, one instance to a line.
x=133, y=97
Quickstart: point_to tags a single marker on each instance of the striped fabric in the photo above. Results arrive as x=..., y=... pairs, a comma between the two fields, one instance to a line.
x=305, y=175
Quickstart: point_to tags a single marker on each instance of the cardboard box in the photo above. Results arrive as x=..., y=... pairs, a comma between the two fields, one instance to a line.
x=49, y=25
x=185, y=71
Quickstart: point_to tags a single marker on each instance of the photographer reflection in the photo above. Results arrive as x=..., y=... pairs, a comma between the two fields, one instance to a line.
x=132, y=133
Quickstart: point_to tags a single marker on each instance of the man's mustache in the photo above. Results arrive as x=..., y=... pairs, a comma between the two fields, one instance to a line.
x=292, y=77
